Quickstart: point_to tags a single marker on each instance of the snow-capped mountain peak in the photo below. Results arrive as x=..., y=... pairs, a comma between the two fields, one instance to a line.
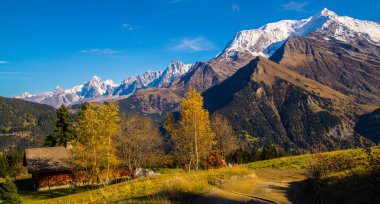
x=265, y=40
x=326, y=12
x=58, y=90
x=172, y=72
x=98, y=90
x=96, y=78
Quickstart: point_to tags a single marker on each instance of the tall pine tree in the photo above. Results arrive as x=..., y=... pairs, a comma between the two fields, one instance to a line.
x=63, y=132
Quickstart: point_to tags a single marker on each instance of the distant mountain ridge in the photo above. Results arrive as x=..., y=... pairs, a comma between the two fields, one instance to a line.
x=98, y=90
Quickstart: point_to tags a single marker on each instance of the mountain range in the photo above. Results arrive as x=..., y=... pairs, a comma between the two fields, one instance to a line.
x=299, y=84
x=306, y=94
x=97, y=90
x=263, y=41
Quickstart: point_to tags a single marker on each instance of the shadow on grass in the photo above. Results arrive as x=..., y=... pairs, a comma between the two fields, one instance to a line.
x=26, y=189
x=300, y=192
x=350, y=189
x=186, y=198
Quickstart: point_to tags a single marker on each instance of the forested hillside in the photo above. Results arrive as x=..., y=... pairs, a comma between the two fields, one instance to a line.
x=24, y=123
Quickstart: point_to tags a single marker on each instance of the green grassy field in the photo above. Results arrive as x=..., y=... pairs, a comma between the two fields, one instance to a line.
x=175, y=185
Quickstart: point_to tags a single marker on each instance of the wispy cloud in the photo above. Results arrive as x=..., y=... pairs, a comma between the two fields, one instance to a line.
x=294, y=6
x=18, y=75
x=3, y=62
x=101, y=51
x=235, y=7
x=193, y=44
x=127, y=26
x=175, y=1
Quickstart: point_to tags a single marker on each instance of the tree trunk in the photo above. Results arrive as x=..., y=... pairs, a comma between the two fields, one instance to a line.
x=108, y=160
x=196, y=146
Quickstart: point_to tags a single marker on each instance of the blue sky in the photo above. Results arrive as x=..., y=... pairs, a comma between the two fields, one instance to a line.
x=64, y=42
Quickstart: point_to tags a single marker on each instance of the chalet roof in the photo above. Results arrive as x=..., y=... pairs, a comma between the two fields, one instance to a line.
x=48, y=159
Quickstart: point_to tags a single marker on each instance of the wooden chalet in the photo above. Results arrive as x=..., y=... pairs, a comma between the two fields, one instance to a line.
x=50, y=167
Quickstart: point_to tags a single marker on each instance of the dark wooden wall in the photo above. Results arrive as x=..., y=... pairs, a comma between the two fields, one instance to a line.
x=51, y=179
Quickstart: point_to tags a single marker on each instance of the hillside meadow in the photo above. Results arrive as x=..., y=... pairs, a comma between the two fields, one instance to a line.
x=177, y=185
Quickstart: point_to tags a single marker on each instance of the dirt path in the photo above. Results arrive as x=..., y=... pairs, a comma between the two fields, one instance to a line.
x=265, y=186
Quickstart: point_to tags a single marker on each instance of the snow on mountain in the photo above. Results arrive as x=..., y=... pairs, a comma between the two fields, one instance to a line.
x=91, y=89
x=134, y=83
x=98, y=90
x=174, y=70
x=265, y=40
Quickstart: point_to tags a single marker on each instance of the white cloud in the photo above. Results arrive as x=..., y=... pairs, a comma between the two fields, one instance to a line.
x=235, y=7
x=193, y=44
x=294, y=6
x=127, y=26
x=101, y=51
x=3, y=62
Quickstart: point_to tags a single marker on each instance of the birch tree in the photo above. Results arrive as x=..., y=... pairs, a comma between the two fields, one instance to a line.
x=192, y=136
x=139, y=143
x=93, y=149
x=227, y=141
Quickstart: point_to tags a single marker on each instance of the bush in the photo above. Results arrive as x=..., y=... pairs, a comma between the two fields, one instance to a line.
x=321, y=165
x=247, y=155
x=214, y=160
x=8, y=193
x=373, y=160
x=11, y=164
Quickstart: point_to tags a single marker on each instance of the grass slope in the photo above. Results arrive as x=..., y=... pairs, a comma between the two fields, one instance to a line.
x=175, y=185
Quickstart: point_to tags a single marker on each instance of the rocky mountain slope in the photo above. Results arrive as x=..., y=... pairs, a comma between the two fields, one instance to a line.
x=352, y=68
x=368, y=125
x=278, y=106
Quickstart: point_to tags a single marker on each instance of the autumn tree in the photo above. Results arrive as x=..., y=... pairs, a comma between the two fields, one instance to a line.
x=227, y=141
x=139, y=143
x=63, y=131
x=192, y=136
x=94, y=147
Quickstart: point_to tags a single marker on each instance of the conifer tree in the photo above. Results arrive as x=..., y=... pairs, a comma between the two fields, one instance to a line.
x=63, y=132
x=8, y=193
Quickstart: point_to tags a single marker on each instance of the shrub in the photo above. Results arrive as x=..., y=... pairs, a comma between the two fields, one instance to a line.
x=8, y=193
x=373, y=160
x=321, y=165
x=215, y=160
